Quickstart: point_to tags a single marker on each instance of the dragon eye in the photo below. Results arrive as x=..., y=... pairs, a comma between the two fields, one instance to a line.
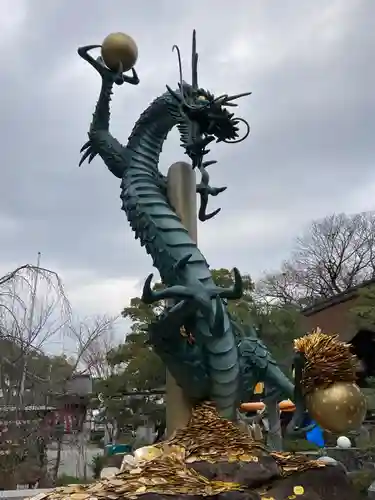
x=202, y=98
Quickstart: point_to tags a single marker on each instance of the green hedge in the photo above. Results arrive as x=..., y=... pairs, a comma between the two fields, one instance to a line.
x=298, y=445
x=362, y=480
x=64, y=480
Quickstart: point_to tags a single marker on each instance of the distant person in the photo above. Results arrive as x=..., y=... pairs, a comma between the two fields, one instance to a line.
x=315, y=435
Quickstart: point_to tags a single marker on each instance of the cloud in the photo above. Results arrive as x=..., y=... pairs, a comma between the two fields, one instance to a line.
x=310, y=151
x=12, y=23
x=100, y=297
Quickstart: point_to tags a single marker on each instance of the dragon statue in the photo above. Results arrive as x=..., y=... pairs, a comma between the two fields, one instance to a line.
x=216, y=359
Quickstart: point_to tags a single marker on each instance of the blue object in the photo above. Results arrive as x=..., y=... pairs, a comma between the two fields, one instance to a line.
x=117, y=449
x=315, y=436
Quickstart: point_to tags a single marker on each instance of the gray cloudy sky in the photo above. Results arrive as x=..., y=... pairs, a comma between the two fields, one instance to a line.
x=310, y=66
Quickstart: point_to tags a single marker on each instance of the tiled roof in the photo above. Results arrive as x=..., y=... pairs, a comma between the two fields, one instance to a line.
x=349, y=294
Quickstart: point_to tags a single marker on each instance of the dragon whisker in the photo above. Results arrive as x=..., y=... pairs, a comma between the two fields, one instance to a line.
x=177, y=49
x=220, y=98
x=238, y=96
x=240, y=120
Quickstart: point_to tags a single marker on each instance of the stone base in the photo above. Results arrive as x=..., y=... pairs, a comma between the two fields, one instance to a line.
x=263, y=481
x=319, y=484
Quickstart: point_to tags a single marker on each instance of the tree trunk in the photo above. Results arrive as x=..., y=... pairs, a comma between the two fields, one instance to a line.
x=56, y=467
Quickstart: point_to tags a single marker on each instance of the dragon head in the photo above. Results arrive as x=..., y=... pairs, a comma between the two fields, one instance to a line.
x=206, y=116
x=210, y=115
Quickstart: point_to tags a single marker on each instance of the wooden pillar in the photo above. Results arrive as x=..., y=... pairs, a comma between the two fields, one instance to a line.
x=182, y=196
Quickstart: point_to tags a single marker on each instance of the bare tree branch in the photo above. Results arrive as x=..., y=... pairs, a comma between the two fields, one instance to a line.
x=93, y=339
x=335, y=254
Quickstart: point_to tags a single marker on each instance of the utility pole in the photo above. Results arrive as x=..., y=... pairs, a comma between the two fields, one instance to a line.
x=30, y=327
x=182, y=196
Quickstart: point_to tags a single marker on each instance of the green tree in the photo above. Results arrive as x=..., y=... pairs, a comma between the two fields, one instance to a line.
x=276, y=324
x=243, y=309
x=136, y=368
x=142, y=367
x=45, y=375
x=363, y=313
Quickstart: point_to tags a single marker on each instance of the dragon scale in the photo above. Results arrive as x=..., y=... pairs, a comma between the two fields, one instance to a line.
x=145, y=200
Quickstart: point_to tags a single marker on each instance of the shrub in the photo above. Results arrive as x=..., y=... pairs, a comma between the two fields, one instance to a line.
x=64, y=480
x=298, y=445
x=362, y=479
x=97, y=464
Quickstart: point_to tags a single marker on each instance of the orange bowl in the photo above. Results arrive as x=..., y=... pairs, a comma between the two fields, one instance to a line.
x=285, y=405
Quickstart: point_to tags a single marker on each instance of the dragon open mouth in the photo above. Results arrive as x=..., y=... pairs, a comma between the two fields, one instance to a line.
x=210, y=113
x=214, y=119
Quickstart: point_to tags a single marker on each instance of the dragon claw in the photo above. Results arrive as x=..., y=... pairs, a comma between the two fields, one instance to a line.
x=203, y=217
x=118, y=77
x=216, y=191
x=205, y=190
x=197, y=295
x=236, y=291
x=85, y=146
x=206, y=164
x=88, y=152
x=175, y=292
x=147, y=294
x=200, y=295
x=92, y=156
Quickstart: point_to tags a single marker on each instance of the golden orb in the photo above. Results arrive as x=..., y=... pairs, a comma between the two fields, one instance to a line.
x=339, y=408
x=119, y=47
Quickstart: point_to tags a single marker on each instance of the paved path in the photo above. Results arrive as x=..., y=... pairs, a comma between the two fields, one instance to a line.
x=70, y=460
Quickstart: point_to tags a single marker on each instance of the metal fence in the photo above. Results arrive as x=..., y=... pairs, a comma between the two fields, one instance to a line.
x=21, y=494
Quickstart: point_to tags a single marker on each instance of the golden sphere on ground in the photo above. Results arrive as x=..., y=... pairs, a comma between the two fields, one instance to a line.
x=339, y=408
x=119, y=47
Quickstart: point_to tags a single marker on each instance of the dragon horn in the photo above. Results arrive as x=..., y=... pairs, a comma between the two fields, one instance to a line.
x=194, y=62
x=234, y=97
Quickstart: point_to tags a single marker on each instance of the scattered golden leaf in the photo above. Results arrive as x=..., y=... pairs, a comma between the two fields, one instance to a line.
x=298, y=490
x=207, y=438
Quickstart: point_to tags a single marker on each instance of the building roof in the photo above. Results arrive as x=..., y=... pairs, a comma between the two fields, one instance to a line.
x=339, y=298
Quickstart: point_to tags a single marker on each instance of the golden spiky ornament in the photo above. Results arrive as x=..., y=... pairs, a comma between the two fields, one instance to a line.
x=333, y=398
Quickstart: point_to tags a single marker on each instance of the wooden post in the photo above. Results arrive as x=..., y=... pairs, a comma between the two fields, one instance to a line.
x=182, y=196
x=274, y=438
